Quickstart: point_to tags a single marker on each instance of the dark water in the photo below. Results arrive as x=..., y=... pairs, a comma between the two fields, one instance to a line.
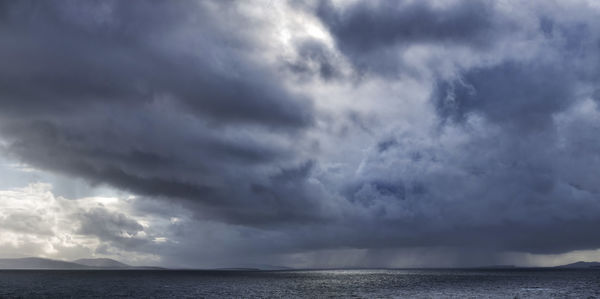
x=522, y=283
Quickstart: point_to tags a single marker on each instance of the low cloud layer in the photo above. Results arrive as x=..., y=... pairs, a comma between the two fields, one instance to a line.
x=295, y=131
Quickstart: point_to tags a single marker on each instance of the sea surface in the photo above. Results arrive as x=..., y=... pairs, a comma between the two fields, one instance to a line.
x=504, y=283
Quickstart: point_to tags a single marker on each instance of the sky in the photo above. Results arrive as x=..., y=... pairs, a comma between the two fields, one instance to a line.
x=306, y=134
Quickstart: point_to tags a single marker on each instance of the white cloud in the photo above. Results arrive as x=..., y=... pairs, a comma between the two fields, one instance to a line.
x=35, y=222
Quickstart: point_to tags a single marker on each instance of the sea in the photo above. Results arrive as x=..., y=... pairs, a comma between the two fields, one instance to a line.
x=376, y=283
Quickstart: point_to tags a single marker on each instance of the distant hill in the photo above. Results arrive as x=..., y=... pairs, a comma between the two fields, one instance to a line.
x=581, y=265
x=250, y=267
x=101, y=263
x=497, y=267
x=38, y=263
x=32, y=263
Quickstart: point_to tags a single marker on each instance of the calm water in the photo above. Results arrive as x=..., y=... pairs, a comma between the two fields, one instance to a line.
x=289, y=284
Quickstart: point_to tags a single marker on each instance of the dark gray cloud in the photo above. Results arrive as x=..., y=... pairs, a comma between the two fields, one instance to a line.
x=524, y=95
x=496, y=191
x=315, y=59
x=490, y=148
x=114, y=228
x=366, y=26
x=78, y=54
x=373, y=34
x=160, y=99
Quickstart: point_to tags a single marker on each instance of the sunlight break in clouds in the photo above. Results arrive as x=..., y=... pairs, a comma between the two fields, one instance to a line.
x=36, y=223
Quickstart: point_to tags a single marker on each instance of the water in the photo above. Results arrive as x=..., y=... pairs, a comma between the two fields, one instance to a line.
x=520, y=283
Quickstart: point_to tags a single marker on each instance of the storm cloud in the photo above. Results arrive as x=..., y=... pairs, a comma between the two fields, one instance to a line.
x=290, y=130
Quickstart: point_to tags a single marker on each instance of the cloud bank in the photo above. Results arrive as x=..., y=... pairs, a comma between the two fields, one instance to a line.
x=312, y=132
